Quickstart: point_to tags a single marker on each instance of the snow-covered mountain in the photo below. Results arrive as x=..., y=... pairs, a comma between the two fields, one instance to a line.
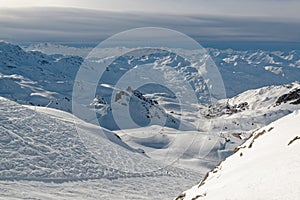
x=35, y=78
x=266, y=166
x=253, y=68
x=255, y=108
x=245, y=70
x=52, y=48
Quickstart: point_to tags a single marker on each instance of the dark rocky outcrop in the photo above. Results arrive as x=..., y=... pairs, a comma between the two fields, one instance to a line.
x=293, y=96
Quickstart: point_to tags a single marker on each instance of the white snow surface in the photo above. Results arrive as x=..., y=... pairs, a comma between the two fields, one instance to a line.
x=266, y=166
x=42, y=156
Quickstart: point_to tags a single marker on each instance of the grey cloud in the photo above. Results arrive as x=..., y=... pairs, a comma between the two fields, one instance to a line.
x=82, y=25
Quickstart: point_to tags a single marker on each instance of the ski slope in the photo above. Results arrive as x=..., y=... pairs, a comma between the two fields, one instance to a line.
x=42, y=149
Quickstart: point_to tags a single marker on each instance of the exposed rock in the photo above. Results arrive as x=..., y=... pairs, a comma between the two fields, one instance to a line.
x=293, y=95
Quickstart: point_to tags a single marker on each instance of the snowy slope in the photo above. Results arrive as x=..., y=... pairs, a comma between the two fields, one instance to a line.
x=42, y=156
x=199, y=151
x=266, y=166
x=47, y=145
x=254, y=108
x=146, y=188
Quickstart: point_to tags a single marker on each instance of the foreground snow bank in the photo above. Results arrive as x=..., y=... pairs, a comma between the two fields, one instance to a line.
x=266, y=166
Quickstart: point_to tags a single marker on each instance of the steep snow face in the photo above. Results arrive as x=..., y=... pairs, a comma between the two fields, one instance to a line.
x=266, y=166
x=144, y=111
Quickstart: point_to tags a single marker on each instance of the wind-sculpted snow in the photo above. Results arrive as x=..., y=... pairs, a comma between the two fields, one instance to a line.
x=36, y=146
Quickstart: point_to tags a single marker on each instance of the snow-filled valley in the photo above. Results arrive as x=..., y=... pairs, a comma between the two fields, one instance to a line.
x=52, y=149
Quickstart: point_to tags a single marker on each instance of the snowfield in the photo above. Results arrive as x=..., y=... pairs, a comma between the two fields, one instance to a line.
x=44, y=148
x=146, y=188
x=266, y=166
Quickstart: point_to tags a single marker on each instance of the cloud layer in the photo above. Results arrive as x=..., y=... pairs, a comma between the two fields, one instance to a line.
x=92, y=26
x=270, y=8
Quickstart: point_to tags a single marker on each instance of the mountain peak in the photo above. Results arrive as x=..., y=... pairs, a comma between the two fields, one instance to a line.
x=6, y=46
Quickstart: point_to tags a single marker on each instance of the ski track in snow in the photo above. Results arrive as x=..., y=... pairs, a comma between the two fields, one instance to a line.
x=148, y=188
x=42, y=157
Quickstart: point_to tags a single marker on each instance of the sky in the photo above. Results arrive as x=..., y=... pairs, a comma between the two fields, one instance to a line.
x=279, y=8
x=209, y=22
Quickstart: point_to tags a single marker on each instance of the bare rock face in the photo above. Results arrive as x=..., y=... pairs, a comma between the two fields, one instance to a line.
x=293, y=96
